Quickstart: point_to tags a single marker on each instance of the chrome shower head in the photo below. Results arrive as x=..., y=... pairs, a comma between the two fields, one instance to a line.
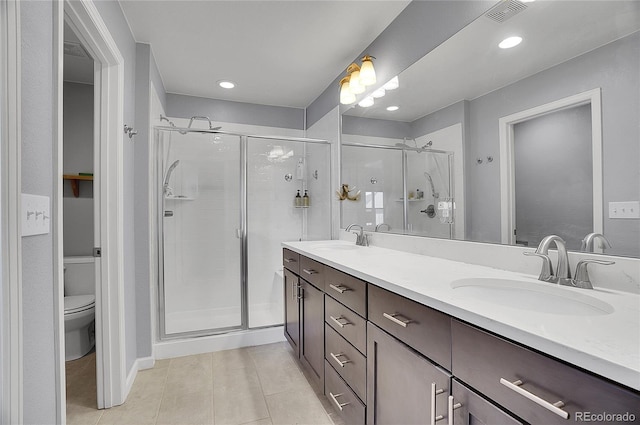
x=169, y=171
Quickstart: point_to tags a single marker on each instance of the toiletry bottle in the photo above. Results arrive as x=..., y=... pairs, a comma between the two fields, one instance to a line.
x=298, y=200
x=305, y=199
x=419, y=194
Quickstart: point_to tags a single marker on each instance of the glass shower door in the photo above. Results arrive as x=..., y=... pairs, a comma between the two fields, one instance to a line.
x=201, y=244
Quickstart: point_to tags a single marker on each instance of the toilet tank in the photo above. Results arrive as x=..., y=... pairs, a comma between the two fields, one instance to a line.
x=79, y=276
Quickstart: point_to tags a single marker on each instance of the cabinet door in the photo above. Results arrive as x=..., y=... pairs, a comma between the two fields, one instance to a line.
x=312, y=338
x=292, y=310
x=402, y=386
x=471, y=409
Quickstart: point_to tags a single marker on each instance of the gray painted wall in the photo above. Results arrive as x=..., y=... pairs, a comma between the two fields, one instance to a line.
x=146, y=71
x=554, y=177
x=37, y=252
x=375, y=127
x=78, y=158
x=182, y=106
x=119, y=28
x=615, y=68
x=418, y=29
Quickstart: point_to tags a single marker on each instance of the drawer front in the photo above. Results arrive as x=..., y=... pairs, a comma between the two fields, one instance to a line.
x=350, y=364
x=549, y=380
x=422, y=328
x=474, y=409
x=345, y=402
x=312, y=272
x=349, y=290
x=347, y=323
x=291, y=260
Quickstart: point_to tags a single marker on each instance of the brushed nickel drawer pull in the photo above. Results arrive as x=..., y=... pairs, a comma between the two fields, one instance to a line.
x=339, y=288
x=289, y=260
x=340, y=362
x=337, y=321
x=311, y=271
x=394, y=319
x=452, y=407
x=554, y=407
x=434, y=393
x=334, y=398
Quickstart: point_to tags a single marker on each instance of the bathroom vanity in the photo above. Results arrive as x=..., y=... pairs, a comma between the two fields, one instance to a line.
x=408, y=338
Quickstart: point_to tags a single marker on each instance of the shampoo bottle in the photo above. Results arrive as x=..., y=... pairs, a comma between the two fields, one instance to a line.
x=298, y=200
x=305, y=199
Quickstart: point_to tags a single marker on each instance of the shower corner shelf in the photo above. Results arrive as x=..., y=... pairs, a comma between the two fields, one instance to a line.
x=180, y=198
x=410, y=200
x=75, y=179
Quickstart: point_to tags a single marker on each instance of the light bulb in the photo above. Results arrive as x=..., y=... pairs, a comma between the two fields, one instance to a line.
x=225, y=84
x=510, y=42
x=354, y=83
x=366, y=102
x=346, y=97
x=392, y=84
x=392, y=108
x=367, y=73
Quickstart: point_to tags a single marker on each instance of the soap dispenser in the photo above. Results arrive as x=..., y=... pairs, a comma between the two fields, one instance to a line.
x=298, y=200
x=305, y=199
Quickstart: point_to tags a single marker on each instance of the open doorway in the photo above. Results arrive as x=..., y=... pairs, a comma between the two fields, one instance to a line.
x=79, y=222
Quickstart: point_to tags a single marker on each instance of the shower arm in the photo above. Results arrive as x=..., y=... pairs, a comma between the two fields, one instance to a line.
x=194, y=118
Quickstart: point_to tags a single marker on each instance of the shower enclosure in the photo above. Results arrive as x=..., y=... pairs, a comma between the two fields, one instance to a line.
x=226, y=202
x=402, y=190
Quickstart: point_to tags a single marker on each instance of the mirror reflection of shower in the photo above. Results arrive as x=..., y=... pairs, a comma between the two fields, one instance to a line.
x=168, y=191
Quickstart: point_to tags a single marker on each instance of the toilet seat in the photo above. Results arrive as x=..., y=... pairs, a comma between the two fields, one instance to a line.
x=78, y=303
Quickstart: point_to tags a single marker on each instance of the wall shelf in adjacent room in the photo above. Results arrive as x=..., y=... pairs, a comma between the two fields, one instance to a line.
x=75, y=179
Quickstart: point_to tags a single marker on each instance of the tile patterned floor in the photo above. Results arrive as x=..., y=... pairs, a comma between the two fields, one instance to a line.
x=260, y=385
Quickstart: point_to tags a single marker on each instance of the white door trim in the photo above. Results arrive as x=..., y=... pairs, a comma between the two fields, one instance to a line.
x=507, y=171
x=10, y=203
x=87, y=23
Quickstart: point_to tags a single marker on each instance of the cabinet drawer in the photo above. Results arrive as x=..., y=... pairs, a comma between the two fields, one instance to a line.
x=346, y=403
x=550, y=380
x=422, y=328
x=472, y=408
x=291, y=260
x=349, y=290
x=312, y=272
x=346, y=360
x=347, y=323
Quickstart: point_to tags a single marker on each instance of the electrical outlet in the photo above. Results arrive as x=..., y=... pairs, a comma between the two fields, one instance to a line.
x=36, y=217
x=630, y=209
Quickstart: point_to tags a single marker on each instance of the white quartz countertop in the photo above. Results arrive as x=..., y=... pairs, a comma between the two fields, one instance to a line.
x=607, y=343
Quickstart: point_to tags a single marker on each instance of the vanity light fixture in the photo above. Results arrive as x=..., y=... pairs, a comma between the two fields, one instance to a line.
x=366, y=102
x=392, y=84
x=226, y=84
x=392, y=108
x=357, y=79
x=510, y=42
x=379, y=93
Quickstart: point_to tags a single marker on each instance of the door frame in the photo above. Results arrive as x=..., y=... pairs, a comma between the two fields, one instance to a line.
x=10, y=207
x=507, y=166
x=83, y=17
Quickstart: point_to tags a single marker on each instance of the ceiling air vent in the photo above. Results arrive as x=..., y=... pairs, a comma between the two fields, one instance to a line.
x=505, y=10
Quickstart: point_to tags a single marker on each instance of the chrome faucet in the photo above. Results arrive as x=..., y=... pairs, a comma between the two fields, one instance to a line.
x=362, y=239
x=582, y=276
x=379, y=226
x=589, y=242
x=562, y=274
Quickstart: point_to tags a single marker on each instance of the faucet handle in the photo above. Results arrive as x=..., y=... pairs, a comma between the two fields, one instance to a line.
x=546, y=273
x=582, y=275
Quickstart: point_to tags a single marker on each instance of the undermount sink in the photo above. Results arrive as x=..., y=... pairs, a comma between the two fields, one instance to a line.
x=533, y=296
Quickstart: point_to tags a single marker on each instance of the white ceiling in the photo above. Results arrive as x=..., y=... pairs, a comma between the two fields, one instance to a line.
x=282, y=53
x=470, y=64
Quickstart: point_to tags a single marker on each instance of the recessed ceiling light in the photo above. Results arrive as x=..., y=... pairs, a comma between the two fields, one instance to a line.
x=510, y=42
x=225, y=84
x=392, y=108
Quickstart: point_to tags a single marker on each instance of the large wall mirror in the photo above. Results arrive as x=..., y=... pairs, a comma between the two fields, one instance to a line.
x=507, y=145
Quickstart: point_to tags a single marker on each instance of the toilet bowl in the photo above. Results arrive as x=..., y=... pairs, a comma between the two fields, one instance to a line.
x=79, y=315
x=79, y=306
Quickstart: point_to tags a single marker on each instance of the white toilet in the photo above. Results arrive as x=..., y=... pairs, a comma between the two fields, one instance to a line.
x=79, y=306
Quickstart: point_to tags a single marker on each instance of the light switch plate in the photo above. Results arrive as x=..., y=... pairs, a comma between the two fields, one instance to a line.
x=36, y=217
x=630, y=209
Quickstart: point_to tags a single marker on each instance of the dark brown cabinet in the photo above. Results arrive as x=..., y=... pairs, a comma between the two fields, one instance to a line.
x=403, y=387
x=292, y=309
x=470, y=409
x=312, y=337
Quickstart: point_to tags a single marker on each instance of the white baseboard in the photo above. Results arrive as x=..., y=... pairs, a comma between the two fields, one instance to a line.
x=228, y=341
x=140, y=364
